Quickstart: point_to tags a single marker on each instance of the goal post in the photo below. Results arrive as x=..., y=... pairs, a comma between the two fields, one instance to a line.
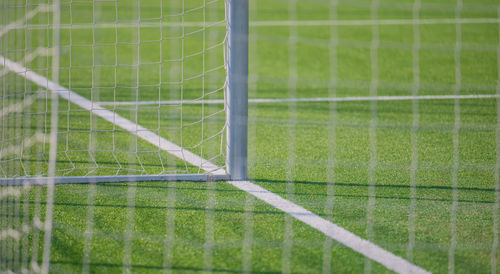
x=167, y=62
x=237, y=45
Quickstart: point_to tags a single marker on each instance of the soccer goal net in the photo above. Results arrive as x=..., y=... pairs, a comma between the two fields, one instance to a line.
x=118, y=90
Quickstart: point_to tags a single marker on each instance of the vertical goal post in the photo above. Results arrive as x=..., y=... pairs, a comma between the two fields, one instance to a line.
x=237, y=131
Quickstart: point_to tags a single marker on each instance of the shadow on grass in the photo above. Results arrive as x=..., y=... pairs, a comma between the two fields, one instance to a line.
x=136, y=206
x=356, y=185
x=163, y=186
x=155, y=267
x=352, y=185
x=166, y=186
x=377, y=185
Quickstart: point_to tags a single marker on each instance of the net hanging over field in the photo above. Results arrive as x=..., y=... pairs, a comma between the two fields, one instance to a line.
x=123, y=51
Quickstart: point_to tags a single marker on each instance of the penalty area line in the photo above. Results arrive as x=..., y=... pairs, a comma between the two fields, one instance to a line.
x=343, y=236
x=318, y=23
x=308, y=100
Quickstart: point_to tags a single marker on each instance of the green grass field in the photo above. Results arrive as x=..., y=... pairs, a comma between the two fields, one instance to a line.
x=415, y=177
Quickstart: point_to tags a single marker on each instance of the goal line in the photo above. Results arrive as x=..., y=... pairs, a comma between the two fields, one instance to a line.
x=306, y=100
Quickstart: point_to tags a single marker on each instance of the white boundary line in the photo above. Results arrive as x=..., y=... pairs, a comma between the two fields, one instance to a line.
x=317, y=99
x=19, y=24
x=19, y=107
x=317, y=23
x=277, y=23
x=328, y=228
x=30, y=57
x=27, y=143
x=14, y=234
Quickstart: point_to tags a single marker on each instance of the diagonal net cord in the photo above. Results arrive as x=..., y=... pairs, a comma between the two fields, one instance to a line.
x=343, y=236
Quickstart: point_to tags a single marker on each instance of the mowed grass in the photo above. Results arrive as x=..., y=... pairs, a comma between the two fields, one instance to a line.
x=314, y=154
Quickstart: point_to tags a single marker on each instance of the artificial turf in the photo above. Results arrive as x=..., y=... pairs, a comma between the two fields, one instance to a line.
x=349, y=162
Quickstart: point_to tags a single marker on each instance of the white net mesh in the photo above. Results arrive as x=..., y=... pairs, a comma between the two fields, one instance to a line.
x=135, y=77
x=374, y=137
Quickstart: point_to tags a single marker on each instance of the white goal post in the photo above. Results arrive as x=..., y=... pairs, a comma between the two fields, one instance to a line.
x=124, y=143
x=238, y=89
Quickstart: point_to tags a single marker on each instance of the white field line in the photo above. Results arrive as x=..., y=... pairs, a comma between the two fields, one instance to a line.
x=38, y=223
x=276, y=23
x=15, y=150
x=328, y=228
x=19, y=24
x=306, y=100
x=35, y=267
x=10, y=192
x=30, y=57
x=14, y=234
x=112, y=117
x=317, y=23
x=19, y=107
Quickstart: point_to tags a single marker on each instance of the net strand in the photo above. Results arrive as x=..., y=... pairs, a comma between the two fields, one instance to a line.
x=248, y=237
x=456, y=142
x=372, y=134
x=288, y=237
x=494, y=245
x=331, y=166
x=414, y=134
